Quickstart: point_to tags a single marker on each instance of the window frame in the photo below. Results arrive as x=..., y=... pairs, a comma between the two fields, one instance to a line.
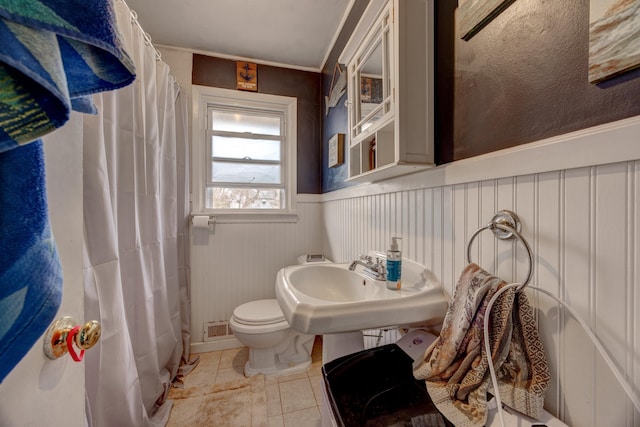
x=202, y=98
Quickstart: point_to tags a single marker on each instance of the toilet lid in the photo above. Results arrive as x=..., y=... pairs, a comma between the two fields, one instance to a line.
x=260, y=312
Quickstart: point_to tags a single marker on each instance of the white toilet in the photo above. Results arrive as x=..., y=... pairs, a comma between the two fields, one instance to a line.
x=274, y=347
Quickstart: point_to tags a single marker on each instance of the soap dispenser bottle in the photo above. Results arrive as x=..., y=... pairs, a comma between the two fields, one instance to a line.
x=394, y=265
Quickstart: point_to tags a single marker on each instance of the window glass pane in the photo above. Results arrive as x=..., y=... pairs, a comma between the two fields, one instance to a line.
x=246, y=173
x=244, y=198
x=242, y=122
x=241, y=148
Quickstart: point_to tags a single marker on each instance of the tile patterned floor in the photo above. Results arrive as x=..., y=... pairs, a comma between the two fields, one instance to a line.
x=292, y=400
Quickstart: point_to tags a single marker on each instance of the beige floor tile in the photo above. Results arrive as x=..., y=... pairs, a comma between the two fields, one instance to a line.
x=276, y=421
x=316, y=386
x=304, y=418
x=292, y=400
x=205, y=372
x=272, y=379
x=199, y=378
x=227, y=375
x=211, y=359
x=274, y=405
x=296, y=395
x=234, y=358
x=291, y=377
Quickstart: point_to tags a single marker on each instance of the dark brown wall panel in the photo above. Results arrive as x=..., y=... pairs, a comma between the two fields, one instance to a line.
x=303, y=85
x=522, y=78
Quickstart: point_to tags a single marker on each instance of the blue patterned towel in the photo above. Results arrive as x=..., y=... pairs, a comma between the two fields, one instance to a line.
x=30, y=273
x=52, y=54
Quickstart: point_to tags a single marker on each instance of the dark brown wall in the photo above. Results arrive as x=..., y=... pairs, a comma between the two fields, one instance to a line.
x=522, y=78
x=304, y=85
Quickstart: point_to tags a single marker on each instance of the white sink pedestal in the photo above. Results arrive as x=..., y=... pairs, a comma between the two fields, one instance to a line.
x=340, y=344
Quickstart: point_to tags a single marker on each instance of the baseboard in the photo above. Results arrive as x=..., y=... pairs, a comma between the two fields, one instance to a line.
x=217, y=345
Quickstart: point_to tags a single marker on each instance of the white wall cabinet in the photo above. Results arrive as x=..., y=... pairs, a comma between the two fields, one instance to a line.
x=389, y=61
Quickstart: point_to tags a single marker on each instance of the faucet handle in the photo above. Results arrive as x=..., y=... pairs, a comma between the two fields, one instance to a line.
x=365, y=258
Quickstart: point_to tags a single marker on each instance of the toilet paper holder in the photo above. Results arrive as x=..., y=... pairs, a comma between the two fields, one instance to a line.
x=203, y=221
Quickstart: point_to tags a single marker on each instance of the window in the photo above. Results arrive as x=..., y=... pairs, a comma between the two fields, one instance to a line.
x=244, y=152
x=244, y=158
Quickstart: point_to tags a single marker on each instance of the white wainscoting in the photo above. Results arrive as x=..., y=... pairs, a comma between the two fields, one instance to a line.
x=238, y=262
x=583, y=225
x=578, y=198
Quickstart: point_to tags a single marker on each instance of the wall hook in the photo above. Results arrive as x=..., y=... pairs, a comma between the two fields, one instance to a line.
x=64, y=335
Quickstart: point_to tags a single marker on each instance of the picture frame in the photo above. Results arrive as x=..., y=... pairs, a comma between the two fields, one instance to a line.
x=613, y=31
x=365, y=89
x=336, y=150
x=370, y=90
x=246, y=76
x=474, y=15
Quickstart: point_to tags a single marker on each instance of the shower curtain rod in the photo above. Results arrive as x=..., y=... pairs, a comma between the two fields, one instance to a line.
x=147, y=38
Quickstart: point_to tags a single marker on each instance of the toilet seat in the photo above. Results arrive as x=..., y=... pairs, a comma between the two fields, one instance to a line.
x=258, y=316
x=259, y=312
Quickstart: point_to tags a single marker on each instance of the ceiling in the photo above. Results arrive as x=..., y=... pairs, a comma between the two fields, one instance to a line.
x=293, y=33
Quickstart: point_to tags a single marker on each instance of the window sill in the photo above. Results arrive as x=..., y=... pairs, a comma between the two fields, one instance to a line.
x=248, y=217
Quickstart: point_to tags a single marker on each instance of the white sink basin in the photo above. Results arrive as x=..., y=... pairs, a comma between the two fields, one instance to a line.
x=329, y=298
x=333, y=283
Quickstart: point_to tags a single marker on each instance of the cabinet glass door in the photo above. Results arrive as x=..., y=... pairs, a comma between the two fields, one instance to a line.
x=371, y=79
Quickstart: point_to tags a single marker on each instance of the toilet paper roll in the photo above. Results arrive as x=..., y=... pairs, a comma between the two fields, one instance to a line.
x=201, y=221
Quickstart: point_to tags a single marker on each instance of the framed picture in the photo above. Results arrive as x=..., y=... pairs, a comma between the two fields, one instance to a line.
x=246, y=76
x=336, y=150
x=370, y=90
x=475, y=14
x=613, y=38
x=365, y=89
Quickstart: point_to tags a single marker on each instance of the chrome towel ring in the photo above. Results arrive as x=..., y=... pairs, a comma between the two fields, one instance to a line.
x=505, y=225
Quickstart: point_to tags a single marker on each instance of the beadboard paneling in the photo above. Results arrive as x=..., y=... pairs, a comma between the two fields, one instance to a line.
x=238, y=262
x=582, y=222
x=582, y=226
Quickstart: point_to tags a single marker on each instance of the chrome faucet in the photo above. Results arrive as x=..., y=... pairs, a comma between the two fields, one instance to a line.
x=375, y=270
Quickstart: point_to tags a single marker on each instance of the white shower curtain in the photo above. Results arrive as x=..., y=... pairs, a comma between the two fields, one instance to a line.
x=136, y=217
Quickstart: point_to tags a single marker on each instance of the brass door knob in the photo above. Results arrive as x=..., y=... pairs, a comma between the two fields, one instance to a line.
x=65, y=333
x=88, y=335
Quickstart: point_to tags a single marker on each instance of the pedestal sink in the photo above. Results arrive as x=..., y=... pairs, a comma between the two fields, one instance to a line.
x=331, y=299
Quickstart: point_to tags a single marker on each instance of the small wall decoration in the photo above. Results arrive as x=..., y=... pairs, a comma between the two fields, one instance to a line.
x=365, y=89
x=614, y=34
x=473, y=15
x=337, y=88
x=336, y=150
x=370, y=90
x=246, y=76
